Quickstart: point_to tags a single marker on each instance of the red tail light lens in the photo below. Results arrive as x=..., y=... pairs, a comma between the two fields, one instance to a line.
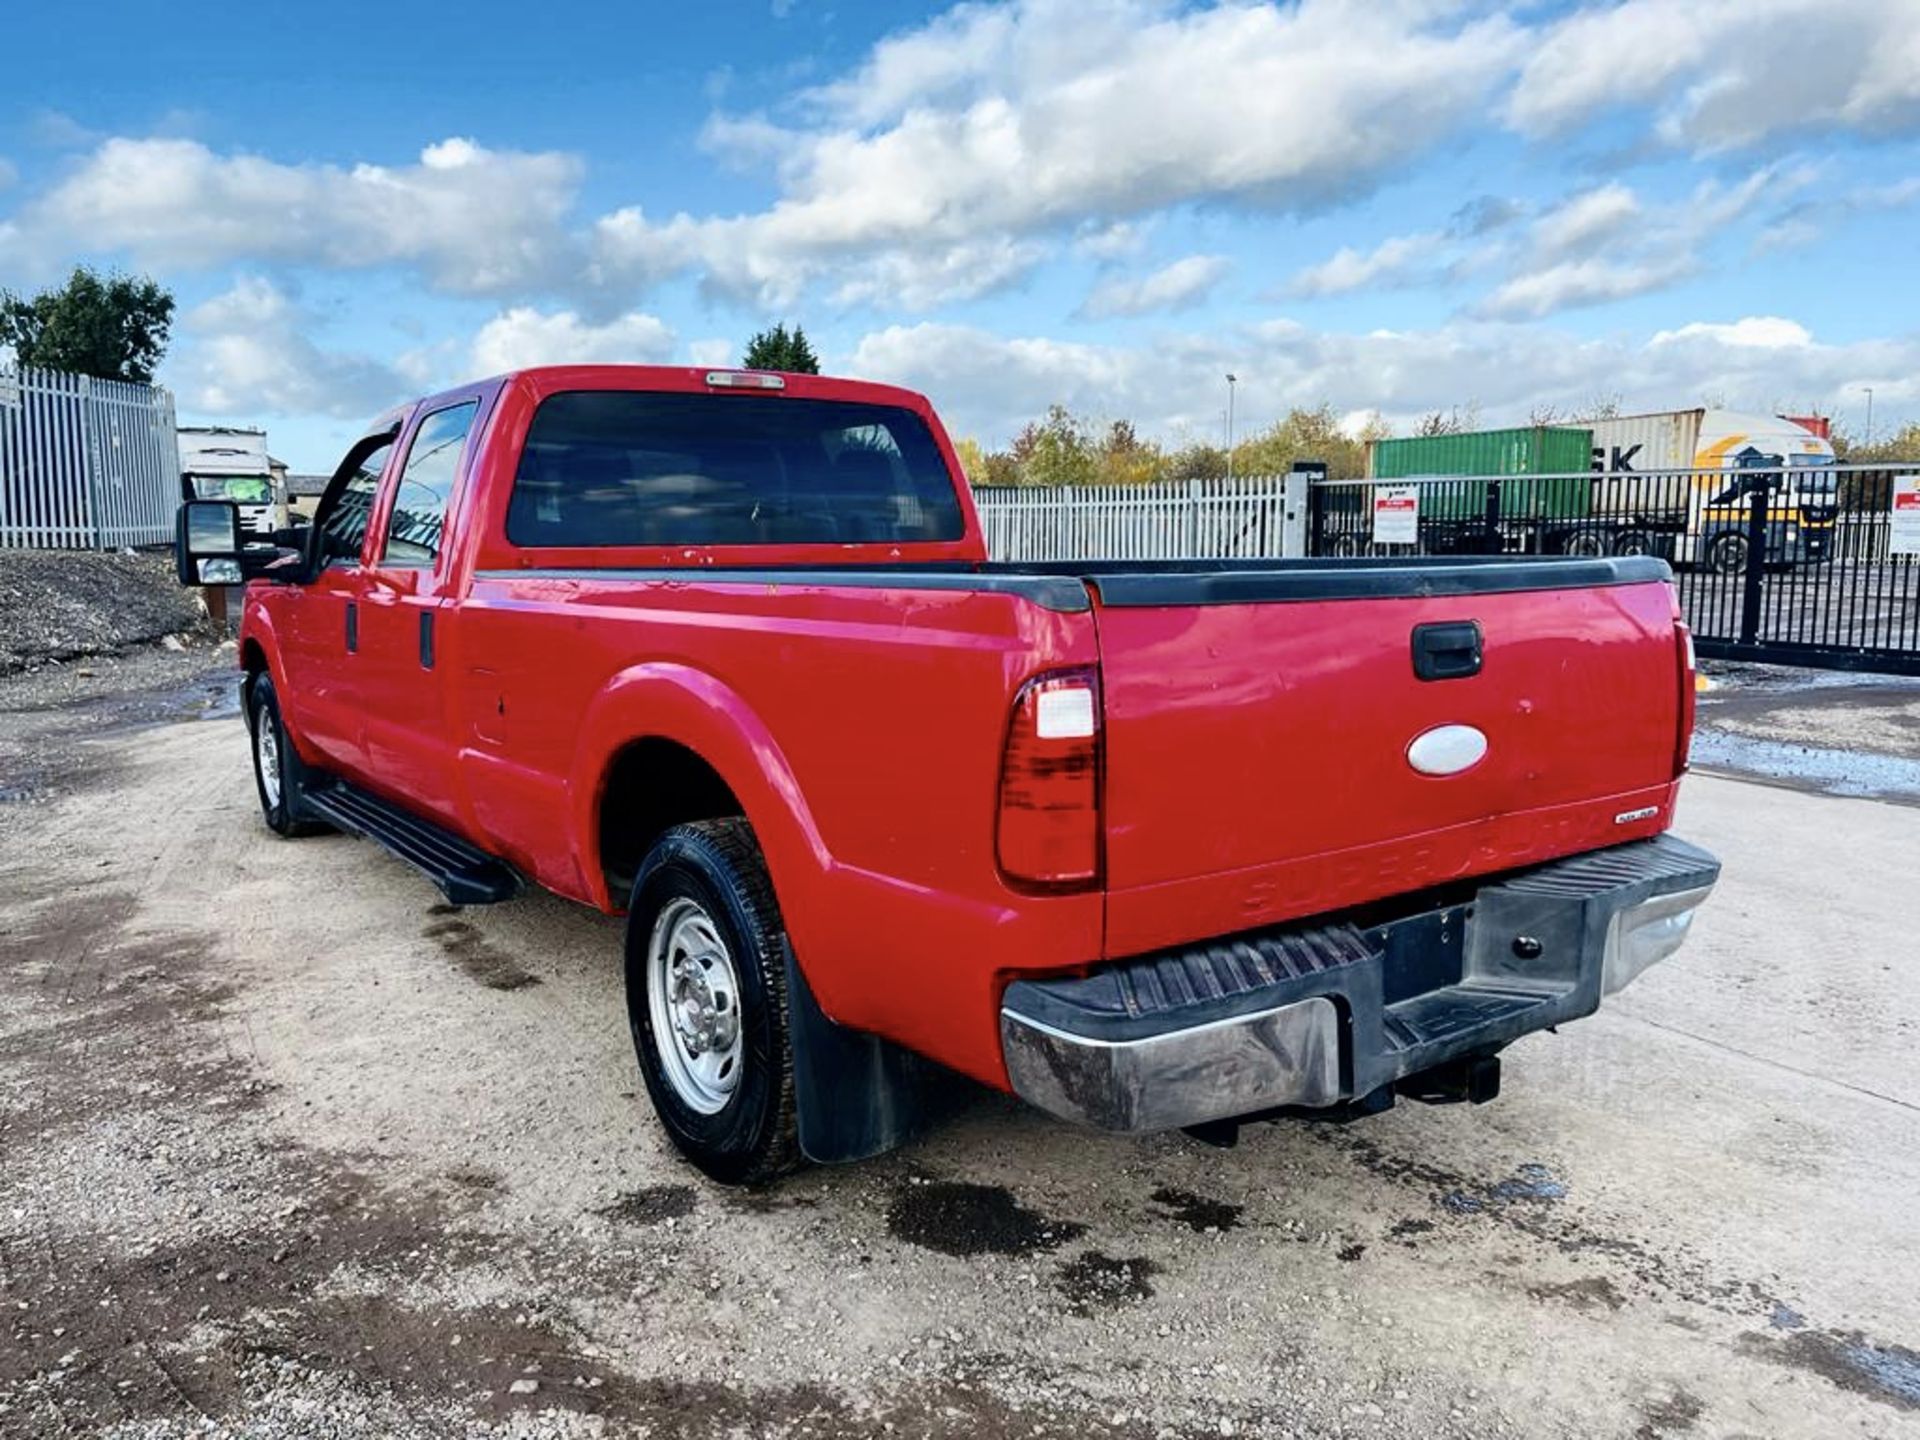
x=1683, y=742
x=1049, y=827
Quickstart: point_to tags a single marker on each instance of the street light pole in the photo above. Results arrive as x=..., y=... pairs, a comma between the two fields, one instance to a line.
x=1869, y=390
x=1232, y=379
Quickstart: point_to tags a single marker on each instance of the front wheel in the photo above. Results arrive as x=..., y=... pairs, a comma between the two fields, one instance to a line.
x=707, y=1001
x=276, y=766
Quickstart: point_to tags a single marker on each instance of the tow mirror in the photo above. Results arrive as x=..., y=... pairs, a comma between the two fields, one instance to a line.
x=206, y=543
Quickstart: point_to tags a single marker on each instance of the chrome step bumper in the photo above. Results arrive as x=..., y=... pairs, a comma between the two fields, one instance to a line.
x=1313, y=1016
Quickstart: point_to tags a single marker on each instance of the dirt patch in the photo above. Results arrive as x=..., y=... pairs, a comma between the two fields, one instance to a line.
x=1593, y=1294
x=650, y=1205
x=961, y=1219
x=475, y=955
x=1670, y=1415
x=1198, y=1212
x=1095, y=1281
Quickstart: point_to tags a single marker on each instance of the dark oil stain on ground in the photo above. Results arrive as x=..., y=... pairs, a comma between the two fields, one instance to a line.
x=477, y=957
x=1405, y=1230
x=1594, y=1293
x=650, y=1205
x=1198, y=1212
x=1096, y=1281
x=1350, y=1253
x=1888, y=1373
x=961, y=1219
x=1669, y=1415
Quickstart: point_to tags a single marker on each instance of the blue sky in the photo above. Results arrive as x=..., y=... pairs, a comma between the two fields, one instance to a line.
x=1390, y=206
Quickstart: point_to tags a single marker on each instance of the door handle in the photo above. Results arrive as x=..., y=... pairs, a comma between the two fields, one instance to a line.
x=426, y=639
x=1447, y=650
x=353, y=627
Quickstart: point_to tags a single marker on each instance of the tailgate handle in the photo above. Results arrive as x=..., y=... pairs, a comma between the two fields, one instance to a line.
x=1446, y=650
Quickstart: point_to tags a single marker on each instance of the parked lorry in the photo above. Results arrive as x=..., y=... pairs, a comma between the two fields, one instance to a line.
x=1152, y=845
x=1669, y=484
x=1662, y=484
x=220, y=463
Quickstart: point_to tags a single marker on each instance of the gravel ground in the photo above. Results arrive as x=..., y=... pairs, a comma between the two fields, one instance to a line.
x=58, y=605
x=288, y=1148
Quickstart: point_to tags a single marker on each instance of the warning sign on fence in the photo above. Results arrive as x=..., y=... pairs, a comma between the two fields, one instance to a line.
x=1396, y=515
x=1904, y=534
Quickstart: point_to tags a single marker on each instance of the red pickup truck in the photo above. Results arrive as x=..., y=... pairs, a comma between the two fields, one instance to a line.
x=1153, y=845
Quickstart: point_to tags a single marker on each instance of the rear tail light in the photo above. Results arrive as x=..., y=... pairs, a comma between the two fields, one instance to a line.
x=1683, y=740
x=1049, y=824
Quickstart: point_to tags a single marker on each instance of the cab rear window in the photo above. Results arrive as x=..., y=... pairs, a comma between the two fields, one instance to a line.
x=610, y=467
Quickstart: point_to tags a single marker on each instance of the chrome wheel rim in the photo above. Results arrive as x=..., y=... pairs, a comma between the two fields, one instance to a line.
x=693, y=1001
x=266, y=755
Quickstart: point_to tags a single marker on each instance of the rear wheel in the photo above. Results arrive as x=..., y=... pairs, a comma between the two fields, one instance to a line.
x=1589, y=544
x=1635, y=542
x=277, y=770
x=707, y=1001
x=1727, y=555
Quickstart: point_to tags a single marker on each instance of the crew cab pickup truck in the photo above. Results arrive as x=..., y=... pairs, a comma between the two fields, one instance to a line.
x=1153, y=846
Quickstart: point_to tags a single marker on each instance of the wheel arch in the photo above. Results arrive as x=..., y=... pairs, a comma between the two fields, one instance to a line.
x=662, y=744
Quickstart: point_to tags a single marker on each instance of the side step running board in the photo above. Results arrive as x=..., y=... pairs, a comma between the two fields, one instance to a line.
x=465, y=874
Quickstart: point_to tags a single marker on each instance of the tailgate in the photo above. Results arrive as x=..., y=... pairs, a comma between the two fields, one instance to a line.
x=1260, y=736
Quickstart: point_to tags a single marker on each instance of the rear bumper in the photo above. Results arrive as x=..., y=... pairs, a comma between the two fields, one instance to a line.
x=1313, y=1016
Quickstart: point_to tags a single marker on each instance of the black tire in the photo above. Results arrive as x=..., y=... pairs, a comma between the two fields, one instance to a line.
x=1585, y=544
x=278, y=803
x=1636, y=542
x=753, y=1135
x=1727, y=554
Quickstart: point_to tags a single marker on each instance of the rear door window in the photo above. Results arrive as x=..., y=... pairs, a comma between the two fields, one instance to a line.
x=607, y=467
x=420, y=506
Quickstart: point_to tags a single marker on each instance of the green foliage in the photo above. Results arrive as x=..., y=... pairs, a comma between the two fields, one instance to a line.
x=1065, y=449
x=1902, y=445
x=113, y=327
x=1305, y=435
x=782, y=349
x=1056, y=451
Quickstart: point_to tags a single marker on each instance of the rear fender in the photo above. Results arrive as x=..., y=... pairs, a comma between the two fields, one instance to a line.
x=697, y=710
x=858, y=1094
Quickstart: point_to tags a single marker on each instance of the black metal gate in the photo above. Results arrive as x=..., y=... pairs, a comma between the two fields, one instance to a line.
x=1795, y=566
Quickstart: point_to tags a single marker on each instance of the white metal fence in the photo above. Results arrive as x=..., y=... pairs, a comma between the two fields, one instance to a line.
x=1252, y=518
x=85, y=464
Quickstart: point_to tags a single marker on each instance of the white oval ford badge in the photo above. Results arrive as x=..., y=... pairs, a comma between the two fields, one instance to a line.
x=1447, y=750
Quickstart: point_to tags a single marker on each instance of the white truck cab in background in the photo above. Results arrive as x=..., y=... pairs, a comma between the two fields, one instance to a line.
x=221, y=463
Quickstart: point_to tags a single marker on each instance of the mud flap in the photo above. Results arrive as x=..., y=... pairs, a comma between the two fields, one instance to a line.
x=857, y=1095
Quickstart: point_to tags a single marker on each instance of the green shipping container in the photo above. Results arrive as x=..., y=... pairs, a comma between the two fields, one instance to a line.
x=1534, y=450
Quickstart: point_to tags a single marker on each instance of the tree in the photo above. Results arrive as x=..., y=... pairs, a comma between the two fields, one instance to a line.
x=1316, y=435
x=1056, y=451
x=781, y=349
x=114, y=327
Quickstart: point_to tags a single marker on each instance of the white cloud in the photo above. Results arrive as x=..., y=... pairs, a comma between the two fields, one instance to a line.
x=711, y=352
x=473, y=220
x=1393, y=261
x=1171, y=287
x=1727, y=73
x=1580, y=224
x=989, y=386
x=1605, y=245
x=246, y=354
x=524, y=336
x=8, y=174
x=913, y=280
x=1010, y=122
x=1571, y=283
x=1762, y=332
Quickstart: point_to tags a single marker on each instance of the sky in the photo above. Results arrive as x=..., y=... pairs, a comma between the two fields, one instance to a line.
x=1386, y=206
